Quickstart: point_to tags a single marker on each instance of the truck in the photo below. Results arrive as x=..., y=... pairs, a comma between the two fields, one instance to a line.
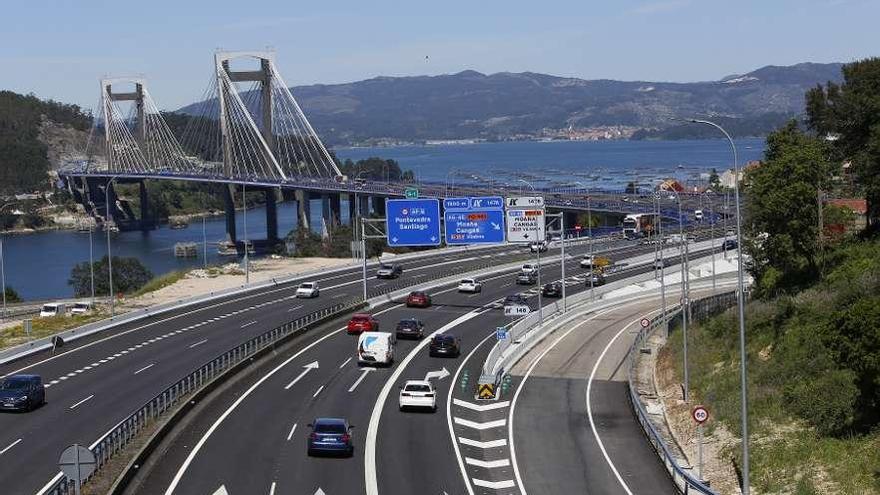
x=640, y=225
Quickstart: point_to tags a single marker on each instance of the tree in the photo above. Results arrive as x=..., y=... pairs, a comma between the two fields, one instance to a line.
x=129, y=275
x=714, y=180
x=782, y=212
x=375, y=168
x=11, y=295
x=851, y=113
x=631, y=188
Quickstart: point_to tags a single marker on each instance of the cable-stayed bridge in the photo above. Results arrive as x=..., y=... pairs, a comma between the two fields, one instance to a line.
x=250, y=133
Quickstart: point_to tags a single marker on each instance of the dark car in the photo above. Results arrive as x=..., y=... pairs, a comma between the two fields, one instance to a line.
x=389, y=271
x=445, y=345
x=362, y=322
x=595, y=278
x=729, y=244
x=410, y=328
x=516, y=300
x=418, y=299
x=526, y=278
x=553, y=289
x=22, y=393
x=330, y=436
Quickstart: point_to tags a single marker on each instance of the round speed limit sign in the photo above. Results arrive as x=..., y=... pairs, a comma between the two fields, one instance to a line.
x=645, y=323
x=700, y=414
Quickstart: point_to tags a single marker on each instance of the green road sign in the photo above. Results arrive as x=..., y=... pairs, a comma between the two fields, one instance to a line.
x=411, y=193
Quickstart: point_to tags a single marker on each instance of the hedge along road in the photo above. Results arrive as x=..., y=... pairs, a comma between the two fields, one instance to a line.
x=243, y=443
x=119, y=370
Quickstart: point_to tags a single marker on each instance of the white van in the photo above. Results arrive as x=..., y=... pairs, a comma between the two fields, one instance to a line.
x=376, y=348
x=53, y=309
x=698, y=214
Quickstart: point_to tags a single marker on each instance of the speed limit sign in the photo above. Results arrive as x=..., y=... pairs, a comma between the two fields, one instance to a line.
x=700, y=414
x=645, y=323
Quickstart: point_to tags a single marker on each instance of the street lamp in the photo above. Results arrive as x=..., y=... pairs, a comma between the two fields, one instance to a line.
x=538, y=256
x=711, y=235
x=3, y=264
x=659, y=246
x=453, y=172
x=740, y=307
x=247, y=265
x=590, y=235
x=109, y=254
x=683, y=253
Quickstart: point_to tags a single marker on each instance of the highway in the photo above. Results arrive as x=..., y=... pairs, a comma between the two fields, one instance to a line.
x=251, y=438
x=96, y=381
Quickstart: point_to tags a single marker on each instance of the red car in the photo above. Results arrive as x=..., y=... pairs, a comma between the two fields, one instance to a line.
x=418, y=299
x=362, y=322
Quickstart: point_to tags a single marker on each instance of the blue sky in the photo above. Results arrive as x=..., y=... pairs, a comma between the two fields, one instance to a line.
x=59, y=49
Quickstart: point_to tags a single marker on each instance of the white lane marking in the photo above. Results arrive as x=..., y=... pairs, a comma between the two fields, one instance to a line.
x=497, y=485
x=198, y=343
x=487, y=464
x=145, y=368
x=309, y=367
x=248, y=324
x=318, y=391
x=337, y=296
x=290, y=435
x=345, y=362
x=272, y=489
x=357, y=382
x=489, y=444
x=476, y=425
x=480, y=407
x=82, y=401
x=291, y=310
x=13, y=444
x=370, y=477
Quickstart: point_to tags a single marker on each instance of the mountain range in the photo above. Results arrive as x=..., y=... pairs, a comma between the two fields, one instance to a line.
x=505, y=105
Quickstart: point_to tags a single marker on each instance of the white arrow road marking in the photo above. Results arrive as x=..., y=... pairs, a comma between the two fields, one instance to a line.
x=309, y=367
x=480, y=407
x=497, y=485
x=491, y=444
x=498, y=423
x=320, y=492
x=357, y=382
x=437, y=374
x=13, y=444
x=221, y=491
x=290, y=435
x=487, y=464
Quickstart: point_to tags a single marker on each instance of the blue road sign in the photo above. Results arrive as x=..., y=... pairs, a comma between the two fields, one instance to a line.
x=474, y=227
x=413, y=222
x=487, y=203
x=501, y=333
x=456, y=203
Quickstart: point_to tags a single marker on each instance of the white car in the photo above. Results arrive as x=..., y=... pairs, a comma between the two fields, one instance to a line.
x=81, y=308
x=698, y=214
x=376, y=348
x=308, y=289
x=529, y=268
x=50, y=310
x=587, y=262
x=538, y=247
x=470, y=285
x=418, y=394
x=658, y=264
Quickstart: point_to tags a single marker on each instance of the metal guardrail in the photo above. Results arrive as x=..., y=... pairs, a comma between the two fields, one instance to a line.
x=117, y=438
x=699, y=309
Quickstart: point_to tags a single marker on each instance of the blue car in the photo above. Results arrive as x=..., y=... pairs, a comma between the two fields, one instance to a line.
x=22, y=393
x=330, y=436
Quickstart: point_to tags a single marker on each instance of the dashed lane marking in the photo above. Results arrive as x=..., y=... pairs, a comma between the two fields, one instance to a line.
x=145, y=368
x=82, y=402
x=13, y=444
x=198, y=343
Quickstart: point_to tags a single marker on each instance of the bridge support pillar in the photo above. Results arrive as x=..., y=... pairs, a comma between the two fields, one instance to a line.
x=271, y=216
x=144, y=203
x=336, y=209
x=351, y=210
x=364, y=205
x=229, y=206
x=379, y=205
x=303, y=207
x=330, y=210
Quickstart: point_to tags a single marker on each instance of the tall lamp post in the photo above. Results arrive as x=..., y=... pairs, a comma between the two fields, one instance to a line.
x=109, y=254
x=682, y=251
x=590, y=235
x=538, y=256
x=3, y=264
x=657, y=197
x=247, y=264
x=740, y=308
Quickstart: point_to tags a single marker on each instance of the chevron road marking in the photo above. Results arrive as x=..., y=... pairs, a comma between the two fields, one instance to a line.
x=487, y=464
x=479, y=407
x=498, y=423
x=491, y=444
x=497, y=485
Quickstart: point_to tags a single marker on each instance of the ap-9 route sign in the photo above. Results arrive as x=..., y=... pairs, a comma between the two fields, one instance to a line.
x=413, y=222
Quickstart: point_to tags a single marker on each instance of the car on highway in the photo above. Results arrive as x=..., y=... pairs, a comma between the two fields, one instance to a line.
x=471, y=285
x=50, y=310
x=410, y=328
x=81, y=308
x=553, y=289
x=698, y=215
x=516, y=300
x=588, y=261
x=308, y=290
x=539, y=247
x=418, y=299
x=595, y=278
x=389, y=271
x=362, y=322
x=729, y=244
x=529, y=268
x=22, y=393
x=527, y=278
x=330, y=436
x=376, y=348
x=444, y=345
x=659, y=264
x=417, y=394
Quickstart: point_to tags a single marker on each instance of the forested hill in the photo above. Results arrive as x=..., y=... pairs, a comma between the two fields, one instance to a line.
x=509, y=105
x=26, y=123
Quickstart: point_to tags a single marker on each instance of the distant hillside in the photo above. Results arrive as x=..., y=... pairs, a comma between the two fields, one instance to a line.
x=32, y=133
x=514, y=105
